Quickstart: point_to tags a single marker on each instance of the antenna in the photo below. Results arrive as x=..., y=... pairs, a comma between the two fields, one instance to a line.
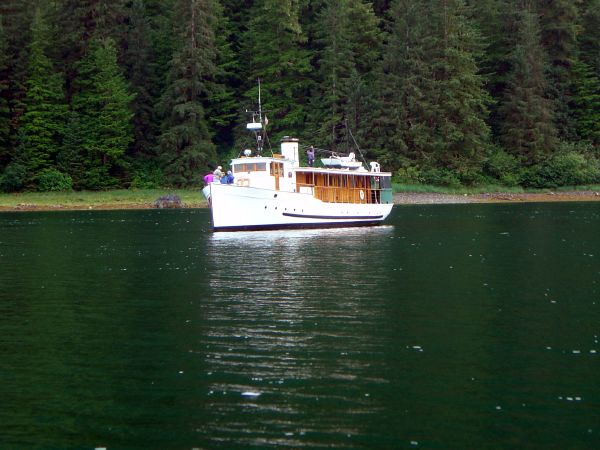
x=258, y=127
x=259, y=103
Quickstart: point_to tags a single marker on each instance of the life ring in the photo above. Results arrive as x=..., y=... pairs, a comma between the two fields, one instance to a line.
x=362, y=194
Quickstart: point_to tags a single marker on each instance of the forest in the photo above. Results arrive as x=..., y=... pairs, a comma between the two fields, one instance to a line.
x=106, y=94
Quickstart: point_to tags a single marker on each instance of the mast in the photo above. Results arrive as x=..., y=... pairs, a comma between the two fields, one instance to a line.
x=259, y=103
x=257, y=126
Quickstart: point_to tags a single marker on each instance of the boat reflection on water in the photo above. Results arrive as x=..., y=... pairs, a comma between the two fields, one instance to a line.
x=290, y=317
x=291, y=238
x=281, y=264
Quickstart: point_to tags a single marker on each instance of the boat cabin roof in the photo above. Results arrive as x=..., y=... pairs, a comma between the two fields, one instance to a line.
x=280, y=159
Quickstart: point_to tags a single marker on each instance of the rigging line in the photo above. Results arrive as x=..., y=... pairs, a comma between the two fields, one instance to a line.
x=266, y=138
x=356, y=144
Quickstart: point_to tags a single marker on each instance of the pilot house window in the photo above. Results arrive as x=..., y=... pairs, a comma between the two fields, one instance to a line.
x=250, y=167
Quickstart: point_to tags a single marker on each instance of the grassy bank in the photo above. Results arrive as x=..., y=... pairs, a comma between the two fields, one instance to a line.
x=117, y=199
x=193, y=198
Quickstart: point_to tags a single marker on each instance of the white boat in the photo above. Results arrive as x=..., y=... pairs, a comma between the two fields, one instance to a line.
x=276, y=192
x=345, y=162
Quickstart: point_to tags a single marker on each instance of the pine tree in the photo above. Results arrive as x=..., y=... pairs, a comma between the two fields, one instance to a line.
x=185, y=143
x=589, y=38
x=402, y=82
x=16, y=20
x=141, y=65
x=222, y=110
x=528, y=117
x=78, y=23
x=351, y=46
x=495, y=20
x=586, y=100
x=273, y=48
x=42, y=124
x=5, y=115
x=559, y=37
x=103, y=102
x=461, y=98
x=71, y=159
x=434, y=104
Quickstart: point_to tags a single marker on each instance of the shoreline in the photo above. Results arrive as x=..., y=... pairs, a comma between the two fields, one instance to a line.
x=410, y=198
x=400, y=198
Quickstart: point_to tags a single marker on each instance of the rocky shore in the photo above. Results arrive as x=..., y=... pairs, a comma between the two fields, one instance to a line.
x=429, y=198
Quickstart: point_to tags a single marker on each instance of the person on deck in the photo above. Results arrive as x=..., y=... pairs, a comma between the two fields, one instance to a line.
x=218, y=173
x=310, y=154
x=209, y=178
x=227, y=179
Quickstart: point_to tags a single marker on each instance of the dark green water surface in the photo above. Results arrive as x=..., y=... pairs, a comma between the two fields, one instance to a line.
x=452, y=327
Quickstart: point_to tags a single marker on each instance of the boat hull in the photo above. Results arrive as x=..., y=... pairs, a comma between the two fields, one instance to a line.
x=241, y=208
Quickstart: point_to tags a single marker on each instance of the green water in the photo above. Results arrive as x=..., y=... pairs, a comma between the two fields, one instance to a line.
x=454, y=326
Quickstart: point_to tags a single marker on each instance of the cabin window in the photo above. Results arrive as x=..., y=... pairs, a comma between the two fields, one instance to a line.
x=250, y=167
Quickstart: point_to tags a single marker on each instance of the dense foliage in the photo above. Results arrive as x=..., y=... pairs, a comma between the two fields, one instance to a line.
x=98, y=94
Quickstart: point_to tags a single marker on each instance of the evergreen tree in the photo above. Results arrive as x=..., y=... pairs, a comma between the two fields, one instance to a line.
x=351, y=46
x=528, y=128
x=80, y=21
x=589, y=39
x=559, y=38
x=103, y=102
x=16, y=18
x=71, y=160
x=5, y=116
x=273, y=49
x=495, y=20
x=141, y=65
x=402, y=83
x=222, y=110
x=586, y=72
x=42, y=124
x=434, y=104
x=185, y=143
x=586, y=101
x=461, y=97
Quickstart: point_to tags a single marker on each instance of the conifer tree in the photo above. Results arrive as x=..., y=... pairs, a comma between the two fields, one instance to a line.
x=495, y=20
x=463, y=133
x=5, y=116
x=273, y=48
x=16, y=20
x=434, y=104
x=141, y=71
x=79, y=22
x=185, y=144
x=528, y=117
x=586, y=100
x=103, y=102
x=42, y=124
x=558, y=23
x=589, y=38
x=351, y=46
x=402, y=83
x=222, y=110
x=71, y=158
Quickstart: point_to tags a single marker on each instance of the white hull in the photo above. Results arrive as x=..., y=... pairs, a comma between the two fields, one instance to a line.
x=248, y=208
